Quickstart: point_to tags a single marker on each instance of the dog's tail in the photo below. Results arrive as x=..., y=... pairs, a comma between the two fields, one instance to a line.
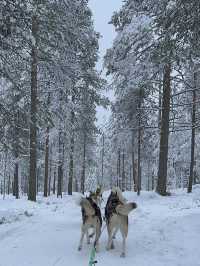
x=125, y=209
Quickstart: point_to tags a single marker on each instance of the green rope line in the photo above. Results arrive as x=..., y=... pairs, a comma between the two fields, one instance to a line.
x=92, y=260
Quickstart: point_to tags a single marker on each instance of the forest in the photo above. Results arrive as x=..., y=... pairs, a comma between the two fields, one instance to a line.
x=50, y=88
x=64, y=168
x=49, y=93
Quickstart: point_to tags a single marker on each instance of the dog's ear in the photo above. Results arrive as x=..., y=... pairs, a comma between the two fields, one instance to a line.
x=114, y=194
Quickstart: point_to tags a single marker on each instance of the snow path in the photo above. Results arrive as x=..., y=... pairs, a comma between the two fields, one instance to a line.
x=163, y=231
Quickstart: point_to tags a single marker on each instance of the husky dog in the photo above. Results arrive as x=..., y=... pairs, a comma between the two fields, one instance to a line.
x=116, y=215
x=91, y=218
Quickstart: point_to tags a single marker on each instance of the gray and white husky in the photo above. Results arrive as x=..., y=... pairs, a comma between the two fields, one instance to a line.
x=91, y=218
x=116, y=215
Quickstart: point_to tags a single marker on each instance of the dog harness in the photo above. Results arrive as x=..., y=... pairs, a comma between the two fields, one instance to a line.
x=96, y=209
x=112, y=203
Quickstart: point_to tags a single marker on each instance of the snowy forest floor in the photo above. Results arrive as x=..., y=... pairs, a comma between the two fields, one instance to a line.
x=163, y=231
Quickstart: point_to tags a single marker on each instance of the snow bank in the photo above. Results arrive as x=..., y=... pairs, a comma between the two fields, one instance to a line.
x=163, y=231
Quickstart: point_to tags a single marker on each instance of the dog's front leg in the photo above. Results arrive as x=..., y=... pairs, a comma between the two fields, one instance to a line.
x=112, y=246
x=124, y=233
x=110, y=239
x=97, y=236
x=83, y=229
x=88, y=236
x=123, y=254
x=115, y=232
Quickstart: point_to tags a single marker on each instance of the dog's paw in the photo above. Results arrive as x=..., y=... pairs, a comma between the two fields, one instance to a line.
x=123, y=255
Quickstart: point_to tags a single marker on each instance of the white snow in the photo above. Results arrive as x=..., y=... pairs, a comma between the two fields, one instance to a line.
x=162, y=231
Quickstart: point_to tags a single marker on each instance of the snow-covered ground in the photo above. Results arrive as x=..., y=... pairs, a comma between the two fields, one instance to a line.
x=163, y=231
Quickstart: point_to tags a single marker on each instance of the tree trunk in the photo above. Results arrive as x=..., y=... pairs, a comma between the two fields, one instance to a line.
x=46, y=174
x=71, y=166
x=50, y=173
x=139, y=145
x=102, y=159
x=191, y=177
x=16, y=180
x=9, y=184
x=4, y=175
x=1, y=187
x=160, y=107
x=119, y=168
x=71, y=162
x=16, y=152
x=117, y=181
x=123, y=172
x=33, y=115
x=76, y=185
x=133, y=163
x=59, y=184
x=152, y=181
x=60, y=166
x=148, y=178
x=13, y=185
x=130, y=179
x=26, y=185
x=49, y=185
x=54, y=182
x=164, y=132
x=46, y=171
x=83, y=167
x=37, y=180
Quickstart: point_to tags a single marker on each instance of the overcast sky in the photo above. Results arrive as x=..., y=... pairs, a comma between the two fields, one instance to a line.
x=102, y=13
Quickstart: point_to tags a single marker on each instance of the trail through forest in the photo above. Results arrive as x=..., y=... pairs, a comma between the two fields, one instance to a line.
x=163, y=231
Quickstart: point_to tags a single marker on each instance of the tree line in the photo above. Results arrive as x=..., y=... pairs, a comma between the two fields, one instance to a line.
x=153, y=134
x=49, y=92
x=49, y=139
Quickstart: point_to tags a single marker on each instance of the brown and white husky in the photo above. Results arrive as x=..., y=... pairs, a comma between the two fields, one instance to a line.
x=91, y=218
x=116, y=215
